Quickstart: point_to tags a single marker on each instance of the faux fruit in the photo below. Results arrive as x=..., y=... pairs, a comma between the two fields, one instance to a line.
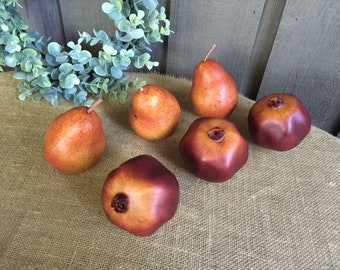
x=278, y=121
x=213, y=149
x=140, y=195
x=213, y=92
x=75, y=141
x=154, y=112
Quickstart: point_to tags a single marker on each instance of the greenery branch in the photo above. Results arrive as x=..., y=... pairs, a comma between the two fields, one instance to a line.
x=45, y=69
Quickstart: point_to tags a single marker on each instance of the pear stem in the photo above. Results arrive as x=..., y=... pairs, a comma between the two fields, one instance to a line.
x=94, y=104
x=210, y=51
x=142, y=89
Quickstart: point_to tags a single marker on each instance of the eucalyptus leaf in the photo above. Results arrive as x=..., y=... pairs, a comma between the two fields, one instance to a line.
x=109, y=49
x=29, y=52
x=99, y=70
x=54, y=48
x=66, y=68
x=45, y=70
x=71, y=80
x=10, y=61
x=62, y=58
x=36, y=98
x=150, y=4
x=116, y=72
x=19, y=75
x=136, y=34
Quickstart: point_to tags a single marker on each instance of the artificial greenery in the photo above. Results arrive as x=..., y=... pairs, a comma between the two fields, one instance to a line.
x=46, y=69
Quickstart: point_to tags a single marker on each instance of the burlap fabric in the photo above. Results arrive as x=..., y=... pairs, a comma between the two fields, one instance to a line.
x=280, y=211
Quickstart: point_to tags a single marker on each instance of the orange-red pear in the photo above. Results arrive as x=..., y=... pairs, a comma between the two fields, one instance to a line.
x=154, y=112
x=75, y=141
x=213, y=91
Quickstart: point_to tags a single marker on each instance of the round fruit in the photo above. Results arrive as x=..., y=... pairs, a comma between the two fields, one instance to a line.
x=213, y=149
x=154, y=112
x=278, y=121
x=140, y=195
x=75, y=141
x=213, y=92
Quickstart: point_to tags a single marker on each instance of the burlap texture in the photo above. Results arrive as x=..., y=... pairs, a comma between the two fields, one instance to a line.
x=280, y=211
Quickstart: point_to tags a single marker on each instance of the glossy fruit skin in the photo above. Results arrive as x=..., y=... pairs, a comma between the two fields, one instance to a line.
x=152, y=191
x=213, y=159
x=213, y=92
x=154, y=112
x=75, y=141
x=278, y=121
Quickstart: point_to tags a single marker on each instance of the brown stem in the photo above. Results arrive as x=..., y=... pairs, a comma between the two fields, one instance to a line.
x=210, y=51
x=142, y=89
x=120, y=203
x=94, y=104
x=216, y=134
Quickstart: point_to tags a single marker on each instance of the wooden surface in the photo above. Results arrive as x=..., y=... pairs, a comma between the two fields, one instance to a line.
x=266, y=45
x=199, y=24
x=305, y=59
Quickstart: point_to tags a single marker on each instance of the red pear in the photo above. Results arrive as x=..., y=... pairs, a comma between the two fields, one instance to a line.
x=154, y=112
x=75, y=141
x=213, y=91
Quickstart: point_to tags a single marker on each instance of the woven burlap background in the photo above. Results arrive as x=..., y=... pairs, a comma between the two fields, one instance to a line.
x=280, y=211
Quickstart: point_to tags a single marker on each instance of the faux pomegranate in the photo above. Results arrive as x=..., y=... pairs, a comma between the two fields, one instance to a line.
x=214, y=149
x=140, y=195
x=75, y=141
x=278, y=121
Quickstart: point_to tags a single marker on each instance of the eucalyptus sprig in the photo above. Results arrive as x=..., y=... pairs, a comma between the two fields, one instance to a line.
x=45, y=69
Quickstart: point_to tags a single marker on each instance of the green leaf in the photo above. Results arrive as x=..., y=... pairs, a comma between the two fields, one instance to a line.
x=71, y=80
x=4, y=27
x=26, y=65
x=84, y=57
x=142, y=60
x=116, y=72
x=10, y=61
x=19, y=75
x=28, y=52
x=55, y=74
x=108, y=8
x=150, y=4
x=136, y=34
x=100, y=71
x=54, y=48
x=66, y=68
x=102, y=35
x=44, y=82
x=36, y=98
x=12, y=47
x=109, y=50
x=78, y=67
x=62, y=57
x=22, y=97
x=50, y=59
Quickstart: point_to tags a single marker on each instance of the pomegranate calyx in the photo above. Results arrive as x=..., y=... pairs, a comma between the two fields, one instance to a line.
x=216, y=134
x=120, y=203
x=275, y=102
